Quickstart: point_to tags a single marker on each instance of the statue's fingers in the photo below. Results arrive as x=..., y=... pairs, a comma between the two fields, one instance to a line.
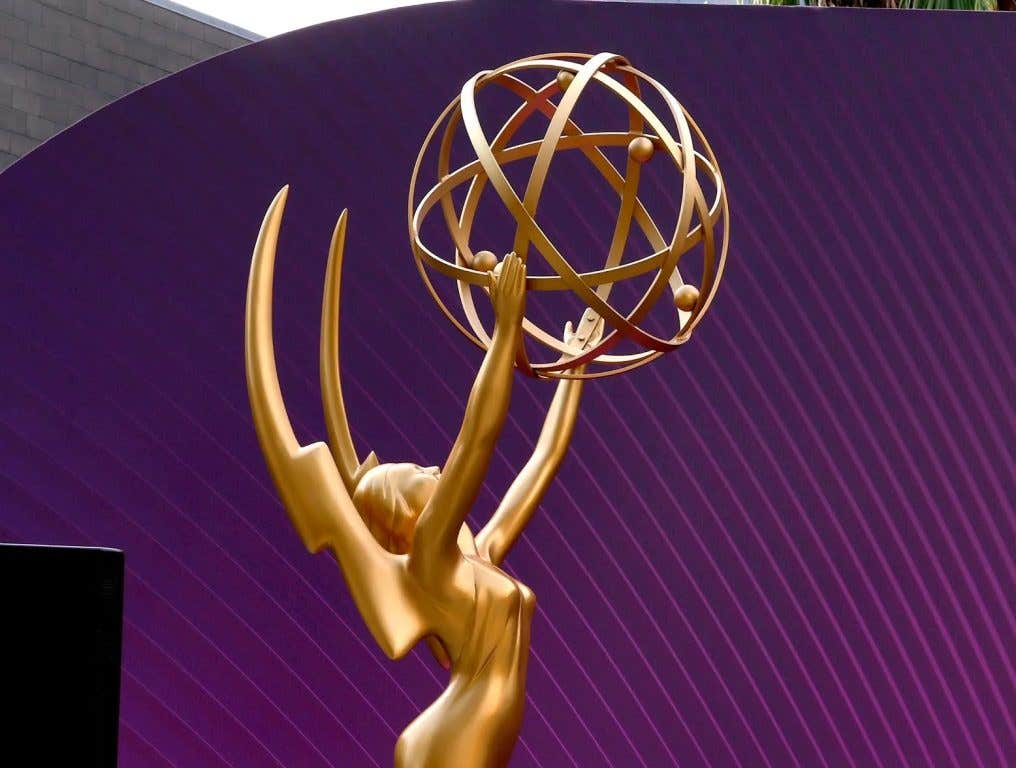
x=512, y=269
x=516, y=268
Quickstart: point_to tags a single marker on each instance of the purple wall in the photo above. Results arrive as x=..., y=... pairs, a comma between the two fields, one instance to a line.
x=789, y=544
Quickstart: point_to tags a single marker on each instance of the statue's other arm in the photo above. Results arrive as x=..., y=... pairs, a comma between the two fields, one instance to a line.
x=435, y=546
x=526, y=492
x=524, y=495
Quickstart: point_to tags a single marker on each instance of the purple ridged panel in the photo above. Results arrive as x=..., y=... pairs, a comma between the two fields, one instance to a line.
x=791, y=543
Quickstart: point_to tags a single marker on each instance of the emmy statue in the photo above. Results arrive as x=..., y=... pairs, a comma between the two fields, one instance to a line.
x=412, y=565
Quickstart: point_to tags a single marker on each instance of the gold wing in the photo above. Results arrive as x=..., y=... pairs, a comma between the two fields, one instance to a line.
x=310, y=479
x=339, y=438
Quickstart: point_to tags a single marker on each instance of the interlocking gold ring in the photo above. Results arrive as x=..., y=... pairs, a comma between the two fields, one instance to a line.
x=697, y=223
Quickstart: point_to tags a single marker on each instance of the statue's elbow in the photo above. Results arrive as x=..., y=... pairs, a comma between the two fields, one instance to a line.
x=395, y=648
x=549, y=455
x=490, y=547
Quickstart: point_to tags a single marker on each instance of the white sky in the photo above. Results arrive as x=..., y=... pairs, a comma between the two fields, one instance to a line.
x=272, y=17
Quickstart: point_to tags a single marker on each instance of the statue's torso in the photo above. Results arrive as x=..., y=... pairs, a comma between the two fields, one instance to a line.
x=476, y=720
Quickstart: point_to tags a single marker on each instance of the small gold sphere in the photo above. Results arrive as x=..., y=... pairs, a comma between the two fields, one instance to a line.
x=484, y=261
x=564, y=79
x=497, y=267
x=686, y=298
x=640, y=149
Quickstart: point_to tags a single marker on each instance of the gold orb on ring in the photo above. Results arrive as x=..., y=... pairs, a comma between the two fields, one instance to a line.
x=640, y=149
x=686, y=297
x=484, y=261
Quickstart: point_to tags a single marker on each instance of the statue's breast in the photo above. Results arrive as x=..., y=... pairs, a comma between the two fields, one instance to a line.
x=499, y=631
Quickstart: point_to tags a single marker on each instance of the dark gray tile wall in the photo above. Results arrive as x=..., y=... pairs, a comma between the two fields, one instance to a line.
x=62, y=59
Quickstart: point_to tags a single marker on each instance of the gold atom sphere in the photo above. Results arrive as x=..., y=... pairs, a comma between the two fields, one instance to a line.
x=484, y=261
x=674, y=140
x=686, y=298
x=641, y=149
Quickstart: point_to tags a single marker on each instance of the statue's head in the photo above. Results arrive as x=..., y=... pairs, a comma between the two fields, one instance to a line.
x=390, y=498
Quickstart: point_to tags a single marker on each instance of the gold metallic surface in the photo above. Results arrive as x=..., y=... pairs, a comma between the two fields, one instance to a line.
x=484, y=261
x=686, y=298
x=398, y=531
x=699, y=224
x=640, y=149
x=414, y=568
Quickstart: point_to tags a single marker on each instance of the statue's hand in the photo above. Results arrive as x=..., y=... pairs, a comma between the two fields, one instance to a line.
x=587, y=334
x=508, y=290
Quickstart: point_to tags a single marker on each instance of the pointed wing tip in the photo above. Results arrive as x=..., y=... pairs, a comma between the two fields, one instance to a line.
x=335, y=251
x=277, y=206
x=340, y=224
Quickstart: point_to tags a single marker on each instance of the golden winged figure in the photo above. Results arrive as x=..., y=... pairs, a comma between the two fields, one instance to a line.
x=414, y=568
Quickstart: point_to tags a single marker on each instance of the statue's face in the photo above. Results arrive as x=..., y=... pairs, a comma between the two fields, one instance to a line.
x=390, y=499
x=415, y=484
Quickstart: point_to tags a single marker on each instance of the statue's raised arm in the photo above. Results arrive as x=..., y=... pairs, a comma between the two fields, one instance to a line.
x=435, y=548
